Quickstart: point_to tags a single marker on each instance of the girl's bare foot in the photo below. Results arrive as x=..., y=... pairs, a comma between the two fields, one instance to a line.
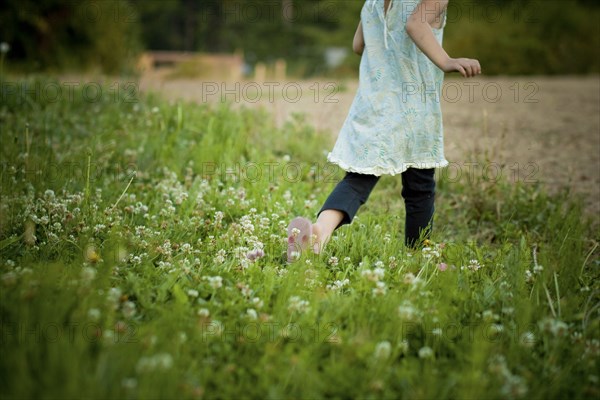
x=302, y=233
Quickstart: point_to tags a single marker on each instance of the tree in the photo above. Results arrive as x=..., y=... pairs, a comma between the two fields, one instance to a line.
x=54, y=34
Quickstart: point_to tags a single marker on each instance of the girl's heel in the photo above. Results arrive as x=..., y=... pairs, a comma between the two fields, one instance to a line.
x=299, y=233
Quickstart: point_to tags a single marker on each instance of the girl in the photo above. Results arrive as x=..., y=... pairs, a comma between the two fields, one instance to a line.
x=394, y=125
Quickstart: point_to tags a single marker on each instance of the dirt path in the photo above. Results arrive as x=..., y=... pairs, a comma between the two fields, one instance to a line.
x=533, y=128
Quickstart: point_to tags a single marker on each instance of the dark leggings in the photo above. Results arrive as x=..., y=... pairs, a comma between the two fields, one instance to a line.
x=418, y=191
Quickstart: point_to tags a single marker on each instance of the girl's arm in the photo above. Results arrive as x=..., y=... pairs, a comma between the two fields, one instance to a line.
x=358, y=44
x=418, y=28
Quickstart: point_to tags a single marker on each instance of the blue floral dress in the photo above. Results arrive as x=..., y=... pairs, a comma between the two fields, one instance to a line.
x=395, y=120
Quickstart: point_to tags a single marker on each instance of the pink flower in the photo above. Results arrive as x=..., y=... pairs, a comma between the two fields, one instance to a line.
x=442, y=266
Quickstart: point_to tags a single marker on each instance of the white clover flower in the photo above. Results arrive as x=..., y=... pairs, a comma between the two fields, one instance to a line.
x=508, y=310
x=576, y=337
x=333, y=261
x=88, y=274
x=474, y=265
x=527, y=339
x=94, y=314
x=258, y=303
x=554, y=326
x=218, y=218
x=246, y=223
x=215, y=281
x=203, y=312
x=251, y=313
x=49, y=195
x=373, y=275
x=99, y=228
x=489, y=315
x=338, y=285
x=109, y=337
x=437, y=332
x=383, y=350
x=496, y=329
x=182, y=336
x=246, y=291
x=392, y=262
x=592, y=348
x=514, y=386
x=4, y=47
x=129, y=383
x=407, y=312
x=403, y=346
x=255, y=254
x=161, y=361
x=214, y=328
x=426, y=352
x=192, y=293
x=264, y=222
x=429, y=252
x=296, y=304
x=409, y=278
x=308, y=204
x=380, y=289
x=220, y=257
x=128, y=309
x=166, y=248
x=311, y=283
x=114, y=296
x=52, y=237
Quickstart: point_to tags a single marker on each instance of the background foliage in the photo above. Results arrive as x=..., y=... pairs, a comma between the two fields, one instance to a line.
x=509, y=36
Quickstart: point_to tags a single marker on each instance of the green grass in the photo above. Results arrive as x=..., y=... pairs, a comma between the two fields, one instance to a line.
x=115, y=215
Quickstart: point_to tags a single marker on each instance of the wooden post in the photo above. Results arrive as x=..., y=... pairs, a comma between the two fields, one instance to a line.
x=280, y=70
x=260, y=72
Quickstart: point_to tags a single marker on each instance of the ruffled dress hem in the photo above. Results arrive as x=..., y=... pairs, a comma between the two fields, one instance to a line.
x=378, y=171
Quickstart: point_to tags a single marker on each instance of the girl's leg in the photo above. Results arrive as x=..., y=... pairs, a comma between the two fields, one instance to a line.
x=342, y=205
x=418, y=191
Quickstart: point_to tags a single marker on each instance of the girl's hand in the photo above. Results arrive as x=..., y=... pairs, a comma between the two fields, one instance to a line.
x=466, y=66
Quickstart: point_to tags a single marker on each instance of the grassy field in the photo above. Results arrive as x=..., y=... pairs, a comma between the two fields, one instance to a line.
x=142, y=247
